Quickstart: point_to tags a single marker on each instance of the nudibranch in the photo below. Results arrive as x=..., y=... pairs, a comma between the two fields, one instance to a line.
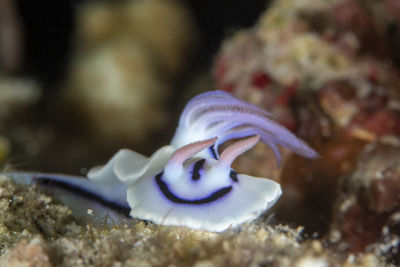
x=188, y=182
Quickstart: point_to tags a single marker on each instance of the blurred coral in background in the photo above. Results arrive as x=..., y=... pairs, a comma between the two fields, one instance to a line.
x=329, y=71
x=126, y=61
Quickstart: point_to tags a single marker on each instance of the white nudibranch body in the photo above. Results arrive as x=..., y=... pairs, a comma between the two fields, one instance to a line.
x=187, y=183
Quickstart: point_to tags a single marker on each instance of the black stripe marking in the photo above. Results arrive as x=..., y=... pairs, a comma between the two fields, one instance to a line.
x=196, y=169
x=84, y=193
x=233, y=176
x=213, y=153
x=169, y=195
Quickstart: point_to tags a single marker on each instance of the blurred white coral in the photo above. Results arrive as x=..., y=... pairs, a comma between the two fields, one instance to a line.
x=165, y=26
x=119, y=88
x=17, y=93
x=127, y=55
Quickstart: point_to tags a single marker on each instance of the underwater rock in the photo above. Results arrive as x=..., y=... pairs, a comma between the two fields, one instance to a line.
x=303, y=47
x=308, y=43
x=368, y=205
x=327, y=71
x=365, y=22
x=365, y=111
x=338, y=99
